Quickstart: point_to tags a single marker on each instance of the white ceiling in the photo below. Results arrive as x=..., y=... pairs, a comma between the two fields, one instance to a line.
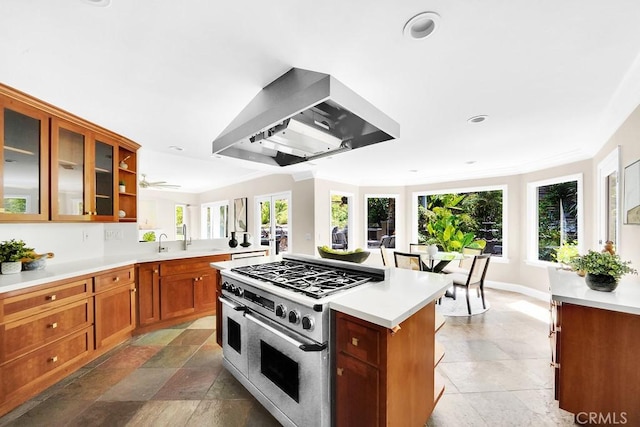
x=555, y=77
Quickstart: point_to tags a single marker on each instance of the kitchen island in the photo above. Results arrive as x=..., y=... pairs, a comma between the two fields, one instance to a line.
x=383, y=350
x=595, y=346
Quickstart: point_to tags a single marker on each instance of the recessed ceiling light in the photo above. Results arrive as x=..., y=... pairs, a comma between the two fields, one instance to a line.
x=421, y=26
x=478, y=119
x=175, y=148
x=98, y=3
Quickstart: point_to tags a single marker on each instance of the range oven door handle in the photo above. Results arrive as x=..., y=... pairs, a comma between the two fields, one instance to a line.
x=302, y=346
x=231, y=304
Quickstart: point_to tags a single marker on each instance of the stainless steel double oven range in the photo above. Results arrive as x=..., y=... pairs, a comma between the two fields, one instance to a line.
x=276, y=331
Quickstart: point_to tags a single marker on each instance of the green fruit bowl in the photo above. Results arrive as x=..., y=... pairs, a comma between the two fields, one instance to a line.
x=355, y=256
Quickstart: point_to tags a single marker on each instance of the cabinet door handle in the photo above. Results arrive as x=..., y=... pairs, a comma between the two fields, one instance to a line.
x=53, y=325
x=53, y=359
x=354, y=342
x=52, y=297
x=555, y=365
x=155, y=271
x=133, y=290
x=116, y=279
x=340, y=370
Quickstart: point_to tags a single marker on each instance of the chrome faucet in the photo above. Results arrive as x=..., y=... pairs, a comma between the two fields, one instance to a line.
x=185, y=242
x=160, y=248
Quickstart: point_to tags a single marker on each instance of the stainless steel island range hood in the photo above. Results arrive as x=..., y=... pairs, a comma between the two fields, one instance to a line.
x=300, y=116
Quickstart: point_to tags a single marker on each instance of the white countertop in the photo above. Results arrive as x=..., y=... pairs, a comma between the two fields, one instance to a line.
x=391, y=302
x=60, y=271
x=568, y=287
x=387, y=303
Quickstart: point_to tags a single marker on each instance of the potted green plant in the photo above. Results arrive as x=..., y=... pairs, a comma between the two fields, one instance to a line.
x=11, y=254
x=603, y=270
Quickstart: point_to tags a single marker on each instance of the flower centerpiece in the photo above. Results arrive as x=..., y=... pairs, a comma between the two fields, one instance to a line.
x=603, y=270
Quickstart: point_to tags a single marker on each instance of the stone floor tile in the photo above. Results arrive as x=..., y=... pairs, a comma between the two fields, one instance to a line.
x=221, y=413
x=161, y=337
x=207, y=356
x=171, y=357
x=92, y=385
x=142, y=384
x=107, y=414
x=192, y=337
x=164, y=413
x=542, y=403
x=50, y=413
x=130, y=357
x=259, y=417
x=188, y=384
x=207, y=322
x=505, y=409
x=226, y=387
x=454, y=411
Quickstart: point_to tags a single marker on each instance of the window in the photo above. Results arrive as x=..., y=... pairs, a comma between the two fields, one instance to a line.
x=180, y=213
x=340, y=220
x=608, y=198
x=214, y=220
x=479, y=211
x=380, y=221
x=554, y=216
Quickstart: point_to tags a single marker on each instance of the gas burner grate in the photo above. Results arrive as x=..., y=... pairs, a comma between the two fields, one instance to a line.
x=315, y=281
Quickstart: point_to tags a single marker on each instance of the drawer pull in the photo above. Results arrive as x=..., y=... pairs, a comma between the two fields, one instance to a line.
x=116, y=279
x=555, y=365
x=53, y=359
x=52, y=297
x=155, y=271
x=340, y=370
x=133, y=290
x=53, y=325
x=354, y=342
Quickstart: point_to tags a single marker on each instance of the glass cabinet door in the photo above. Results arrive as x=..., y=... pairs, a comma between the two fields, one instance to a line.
x=104, y=178
x=68, y=162
x=24, y=164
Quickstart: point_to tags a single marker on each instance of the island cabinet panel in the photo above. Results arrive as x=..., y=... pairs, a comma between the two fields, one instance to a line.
x=598, y=364
x=383, y=375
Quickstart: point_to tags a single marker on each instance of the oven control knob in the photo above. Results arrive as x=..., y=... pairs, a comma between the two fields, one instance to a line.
x=307, y=323
x=231, y=288
x=225, y=286
x=294, y=317
x=238, y=291
x=281, y=311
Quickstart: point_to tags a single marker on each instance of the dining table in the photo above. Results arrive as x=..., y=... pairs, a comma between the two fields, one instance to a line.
x=436, y=262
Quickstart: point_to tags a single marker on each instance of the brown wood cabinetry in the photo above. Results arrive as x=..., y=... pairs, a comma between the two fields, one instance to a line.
x=596, y=364
x=385, y=378
x=114, y=307
x=148, y=285
x=24, y=165
x=49, y=331
x=45, y=333
x=174, y=291
x=62, y=161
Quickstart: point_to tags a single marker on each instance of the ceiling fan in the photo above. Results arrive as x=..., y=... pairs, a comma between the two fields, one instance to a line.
x=155, y=184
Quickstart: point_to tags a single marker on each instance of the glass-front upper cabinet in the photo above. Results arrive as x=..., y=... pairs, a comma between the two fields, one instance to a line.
x=24, y=167
x=82, y=174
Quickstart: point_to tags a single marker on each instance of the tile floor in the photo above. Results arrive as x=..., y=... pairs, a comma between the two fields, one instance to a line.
x=496, y=371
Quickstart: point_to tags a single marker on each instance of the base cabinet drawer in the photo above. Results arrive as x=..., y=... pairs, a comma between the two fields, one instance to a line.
x=45, y=363
x=28, y=334
x=30, y=303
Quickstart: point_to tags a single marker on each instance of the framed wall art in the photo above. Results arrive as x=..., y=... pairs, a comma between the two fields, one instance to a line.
x=240, y=214
x=632, y=193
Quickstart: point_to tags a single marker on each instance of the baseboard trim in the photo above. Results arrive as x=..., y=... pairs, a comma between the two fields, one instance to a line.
x=512, y=287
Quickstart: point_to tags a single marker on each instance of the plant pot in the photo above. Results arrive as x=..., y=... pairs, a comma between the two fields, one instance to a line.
x=122, y=188
x=11, y=267
x=601, y=282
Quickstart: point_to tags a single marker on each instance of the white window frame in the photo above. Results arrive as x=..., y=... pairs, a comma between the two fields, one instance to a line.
x=608, y=165
x=366, y=215
x=175, y=218
x=215, y=209
x=350, y=221
x=505, y=201
x=532, y=216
